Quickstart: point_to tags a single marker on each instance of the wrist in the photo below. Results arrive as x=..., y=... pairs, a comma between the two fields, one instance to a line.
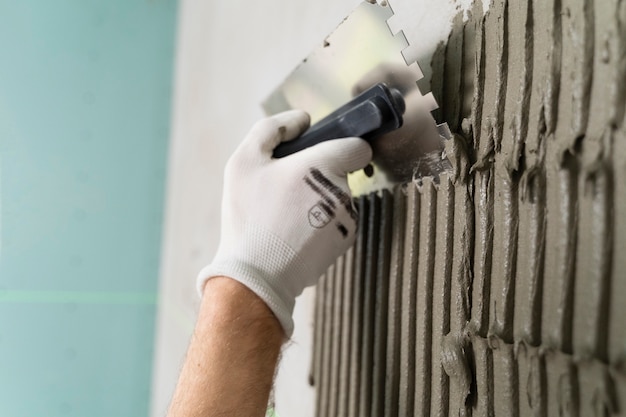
x=238, y=309
x=265, y=264
x=234, y=350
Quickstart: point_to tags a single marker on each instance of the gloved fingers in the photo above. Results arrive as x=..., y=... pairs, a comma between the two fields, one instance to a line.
x=267, y=133
x=340, y=156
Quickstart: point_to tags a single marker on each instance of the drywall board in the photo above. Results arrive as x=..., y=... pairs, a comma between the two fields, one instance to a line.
x=230, y=56
x=84, y=120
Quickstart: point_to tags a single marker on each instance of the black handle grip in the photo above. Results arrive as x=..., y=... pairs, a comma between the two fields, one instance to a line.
x=372, y=113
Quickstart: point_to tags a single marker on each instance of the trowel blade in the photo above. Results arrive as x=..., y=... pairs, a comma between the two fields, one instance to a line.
x=360, y=53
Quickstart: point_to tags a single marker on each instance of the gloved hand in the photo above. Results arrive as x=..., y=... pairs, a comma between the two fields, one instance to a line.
x=285, y=221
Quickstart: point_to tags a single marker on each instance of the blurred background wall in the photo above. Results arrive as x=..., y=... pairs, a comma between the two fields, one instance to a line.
x=88, y=215
x=85, y=89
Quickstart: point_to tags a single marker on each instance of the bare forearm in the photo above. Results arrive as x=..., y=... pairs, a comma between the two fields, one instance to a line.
x=230, y=364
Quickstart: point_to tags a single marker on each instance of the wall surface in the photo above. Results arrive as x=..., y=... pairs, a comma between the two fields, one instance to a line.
x=230, y=56
x=498, y=289
x=84, y=123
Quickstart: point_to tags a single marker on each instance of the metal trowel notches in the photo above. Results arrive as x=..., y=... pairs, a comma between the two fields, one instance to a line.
x=358, y=84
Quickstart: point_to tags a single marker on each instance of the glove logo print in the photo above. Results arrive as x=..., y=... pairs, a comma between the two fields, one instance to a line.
x=318, y=216
x=324, y=211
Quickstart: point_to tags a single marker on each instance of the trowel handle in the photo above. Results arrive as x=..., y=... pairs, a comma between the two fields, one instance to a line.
x=372, y=113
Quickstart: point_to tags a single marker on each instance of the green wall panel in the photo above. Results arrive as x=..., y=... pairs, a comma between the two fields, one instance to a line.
x=85, y=89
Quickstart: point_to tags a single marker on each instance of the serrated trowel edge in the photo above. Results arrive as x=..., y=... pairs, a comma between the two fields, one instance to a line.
x=396, y=31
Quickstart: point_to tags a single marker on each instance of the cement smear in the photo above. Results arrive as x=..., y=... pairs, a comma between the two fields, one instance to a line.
x=506, y=287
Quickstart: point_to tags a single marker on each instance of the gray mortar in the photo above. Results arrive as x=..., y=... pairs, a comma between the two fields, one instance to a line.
x=512, y=293
x=394, y=326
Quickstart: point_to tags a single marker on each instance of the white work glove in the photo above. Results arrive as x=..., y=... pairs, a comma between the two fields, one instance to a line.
x=285, y=221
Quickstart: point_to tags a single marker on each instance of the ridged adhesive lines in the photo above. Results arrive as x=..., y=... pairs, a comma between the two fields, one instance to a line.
x=357, y=310
x=577, y=64
x=606, y=95
x=408, y=344
x=496, y=70
x=455, y=346
x=488, y=142
x=531, y=258
x=482, y=372
x=326, y=365
x=562, y=231
x=369, y=300
x=381, y=306
x=437, y=64
x=347, y=331
x=470, y=67
x=618, y=56
x=562, y=385
x=394, y=319
x=617, y=329
x=483, y=220
x=488, y=145
x=442, y=277
x=453, y=77
x=516, y=24
x=504, y=269
x=336, y=334
x=425, y=270
x=596, y=196
x=478, y=98
x=318, y=343
x=554, y=55
x=532, y=399
x=532, y=193
x=593, y=267
x=597, y=390
x=505, y=378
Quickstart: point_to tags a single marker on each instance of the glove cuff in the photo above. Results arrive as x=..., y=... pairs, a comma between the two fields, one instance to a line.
x=248, y=277
x=270, y=269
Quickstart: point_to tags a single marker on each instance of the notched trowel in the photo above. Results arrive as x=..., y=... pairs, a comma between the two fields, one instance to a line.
x=371, y=114
x=358, y=84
